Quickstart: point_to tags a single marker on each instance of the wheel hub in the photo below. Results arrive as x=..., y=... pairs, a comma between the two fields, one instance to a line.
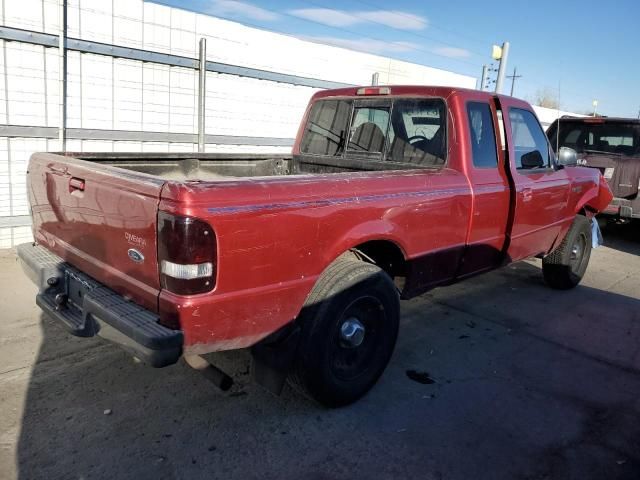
x=575, y=252
x=352, y=333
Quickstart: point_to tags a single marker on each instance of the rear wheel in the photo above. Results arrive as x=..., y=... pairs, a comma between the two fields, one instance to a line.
x=349, y=329
x=565, y=266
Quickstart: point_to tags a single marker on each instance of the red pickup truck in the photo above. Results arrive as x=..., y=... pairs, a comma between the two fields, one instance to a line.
x=389, y=192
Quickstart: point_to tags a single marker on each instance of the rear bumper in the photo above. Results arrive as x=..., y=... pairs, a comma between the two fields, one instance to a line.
x=87, y=308
x=623, y=208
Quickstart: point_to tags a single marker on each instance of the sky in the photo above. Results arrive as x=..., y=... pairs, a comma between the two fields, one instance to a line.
x=578, y=51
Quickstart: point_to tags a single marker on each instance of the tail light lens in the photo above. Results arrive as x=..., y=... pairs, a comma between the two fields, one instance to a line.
x=187, y=254
x=373, y=91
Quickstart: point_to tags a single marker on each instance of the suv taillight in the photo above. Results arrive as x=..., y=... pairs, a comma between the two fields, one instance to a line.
x=187, y=254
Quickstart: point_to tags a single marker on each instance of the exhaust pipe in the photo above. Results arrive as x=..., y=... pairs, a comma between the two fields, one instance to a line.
x=212, y=373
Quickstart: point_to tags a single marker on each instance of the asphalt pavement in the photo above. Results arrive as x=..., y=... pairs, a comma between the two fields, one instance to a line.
x=498, y=377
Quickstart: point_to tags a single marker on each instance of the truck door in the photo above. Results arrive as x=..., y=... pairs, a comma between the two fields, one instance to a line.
x=487, y=173
x=541, y=191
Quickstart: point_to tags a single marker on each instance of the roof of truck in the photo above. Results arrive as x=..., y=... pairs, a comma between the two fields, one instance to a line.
x=368, y=91
x=600, y=119
x=438, y=90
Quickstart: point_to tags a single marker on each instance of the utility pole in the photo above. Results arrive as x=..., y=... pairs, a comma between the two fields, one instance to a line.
x=501, y=53
x=483, y=80
x=513, y=78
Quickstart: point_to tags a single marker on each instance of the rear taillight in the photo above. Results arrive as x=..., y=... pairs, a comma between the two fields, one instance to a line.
x=187, y=254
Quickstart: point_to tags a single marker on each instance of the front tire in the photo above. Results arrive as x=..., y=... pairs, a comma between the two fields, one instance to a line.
x=565, y=266
x=349, y=327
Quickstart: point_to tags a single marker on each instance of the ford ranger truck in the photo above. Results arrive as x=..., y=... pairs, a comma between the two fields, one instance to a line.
x=611, y=145
x=389, y=192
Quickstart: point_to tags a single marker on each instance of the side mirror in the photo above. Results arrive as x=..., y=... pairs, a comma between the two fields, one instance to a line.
x=532, y=159
x=567, y=157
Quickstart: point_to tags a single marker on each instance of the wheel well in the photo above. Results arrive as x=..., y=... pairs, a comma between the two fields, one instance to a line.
x=587, y=211
x=385, y=254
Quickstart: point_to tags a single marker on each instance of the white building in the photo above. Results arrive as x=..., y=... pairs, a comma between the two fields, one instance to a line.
x=138, y=91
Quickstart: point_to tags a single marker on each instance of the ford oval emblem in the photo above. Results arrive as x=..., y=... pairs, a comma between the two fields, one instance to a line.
x=135, y=255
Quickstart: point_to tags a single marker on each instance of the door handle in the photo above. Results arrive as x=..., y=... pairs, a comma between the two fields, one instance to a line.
x=527, y=194
x=76, y=184
x=58, y=170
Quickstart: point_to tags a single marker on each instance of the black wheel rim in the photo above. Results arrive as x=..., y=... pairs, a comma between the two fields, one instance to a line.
x=577, y=253
x=350, y=360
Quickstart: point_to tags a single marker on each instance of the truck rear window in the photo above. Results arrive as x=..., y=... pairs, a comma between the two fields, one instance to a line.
x=615, y=137
x=368, y=129
x=419, y=132
x=326, y=128
x=402, y=130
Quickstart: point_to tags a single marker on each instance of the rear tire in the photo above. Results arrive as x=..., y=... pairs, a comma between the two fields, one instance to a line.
x=565, y=266
x=349, y=327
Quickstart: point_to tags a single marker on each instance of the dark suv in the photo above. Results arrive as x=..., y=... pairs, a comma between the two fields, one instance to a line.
x=611, y=145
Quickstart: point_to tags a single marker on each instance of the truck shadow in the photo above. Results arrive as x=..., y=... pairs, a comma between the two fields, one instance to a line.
x=537, y=383
x=623, y=237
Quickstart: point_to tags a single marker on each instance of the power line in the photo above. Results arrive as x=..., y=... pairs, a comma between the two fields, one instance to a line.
x=369, y=37
x=401, y=14
x=301, y=37
x=431, y=24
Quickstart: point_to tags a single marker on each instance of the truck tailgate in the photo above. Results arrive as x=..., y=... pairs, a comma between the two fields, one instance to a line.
x=100, y=219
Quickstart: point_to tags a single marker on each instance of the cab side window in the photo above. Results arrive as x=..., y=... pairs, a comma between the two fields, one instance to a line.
x=529, y=141
x=483, y=135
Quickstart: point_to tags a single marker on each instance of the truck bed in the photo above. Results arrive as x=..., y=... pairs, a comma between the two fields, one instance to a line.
x=217, y=166
x=193, y=166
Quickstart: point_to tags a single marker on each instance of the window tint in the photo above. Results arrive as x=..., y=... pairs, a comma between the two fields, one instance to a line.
x=529, y=141
x=418, y=133
x=368, y=129
x=598, y=136
x=483, y=137
x=326, y=129
x=617, y=141
x=572, y=136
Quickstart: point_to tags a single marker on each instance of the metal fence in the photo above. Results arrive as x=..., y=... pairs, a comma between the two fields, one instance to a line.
x=125, y=75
